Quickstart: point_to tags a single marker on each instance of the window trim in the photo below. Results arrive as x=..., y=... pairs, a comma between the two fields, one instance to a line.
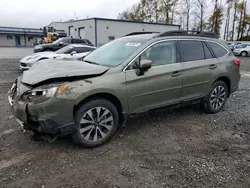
x=178, y=50
x=156, y=42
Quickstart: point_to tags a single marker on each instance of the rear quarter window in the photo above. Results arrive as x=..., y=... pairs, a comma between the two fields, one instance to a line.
x=218, y=50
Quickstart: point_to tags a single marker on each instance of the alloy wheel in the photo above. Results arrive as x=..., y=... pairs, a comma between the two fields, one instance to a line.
x=96, y=124
x=243, y=54
x=218, y=97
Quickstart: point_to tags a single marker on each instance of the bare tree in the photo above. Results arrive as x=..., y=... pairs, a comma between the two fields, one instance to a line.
x=213, y=18
x=226, y=30
x=244, y=20
x=200, y=4
x=235, y=18
x=187, y=11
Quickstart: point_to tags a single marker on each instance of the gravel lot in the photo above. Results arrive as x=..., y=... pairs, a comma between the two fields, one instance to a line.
x=179, y=148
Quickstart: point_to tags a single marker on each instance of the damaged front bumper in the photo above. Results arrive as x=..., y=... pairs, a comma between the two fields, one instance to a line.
x=54, y=116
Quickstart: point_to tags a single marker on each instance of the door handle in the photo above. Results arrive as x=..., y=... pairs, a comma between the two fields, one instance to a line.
x=213, y=66
x=176, y=73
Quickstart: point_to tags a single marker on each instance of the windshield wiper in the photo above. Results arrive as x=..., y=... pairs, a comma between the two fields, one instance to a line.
x=91, y=62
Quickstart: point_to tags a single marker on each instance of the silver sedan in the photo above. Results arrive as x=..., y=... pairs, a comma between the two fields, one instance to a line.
x=242, y=50
x=72, y=51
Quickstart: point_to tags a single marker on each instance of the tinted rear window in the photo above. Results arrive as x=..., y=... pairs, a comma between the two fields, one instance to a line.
x=208, y=54
x=218, y=50
x=191, y=50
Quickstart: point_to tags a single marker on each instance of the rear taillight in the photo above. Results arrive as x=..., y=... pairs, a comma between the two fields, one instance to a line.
x=237, y=62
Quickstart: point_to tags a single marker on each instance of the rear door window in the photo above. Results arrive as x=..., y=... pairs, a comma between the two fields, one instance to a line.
x=191, y=50
x=218, y=50
x=208, y=54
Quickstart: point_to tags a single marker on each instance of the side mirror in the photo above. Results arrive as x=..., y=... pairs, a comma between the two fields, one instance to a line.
x=145, y=64
x=60, y=43
x=73, y=52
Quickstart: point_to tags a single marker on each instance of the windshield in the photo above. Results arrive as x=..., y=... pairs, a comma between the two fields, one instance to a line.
x=65, y=50
x=241, y=46
x=115, y=52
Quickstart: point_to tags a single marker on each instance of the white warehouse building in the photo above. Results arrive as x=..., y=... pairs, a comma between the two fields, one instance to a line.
x=101, y=30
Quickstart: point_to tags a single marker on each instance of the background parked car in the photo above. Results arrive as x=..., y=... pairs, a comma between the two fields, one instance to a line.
x=242, y=50
x=78, y=56
x=233, y=45
x=72, y=51
x=60, y=43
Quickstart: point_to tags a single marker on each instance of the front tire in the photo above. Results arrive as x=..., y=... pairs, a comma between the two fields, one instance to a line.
x=96, y=122
x=216, y=97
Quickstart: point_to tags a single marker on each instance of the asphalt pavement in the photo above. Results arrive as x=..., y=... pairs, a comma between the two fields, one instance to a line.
x=179, y=148
x=14, y=53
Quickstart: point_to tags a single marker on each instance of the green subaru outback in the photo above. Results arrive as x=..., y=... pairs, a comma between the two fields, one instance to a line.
x=90, y=99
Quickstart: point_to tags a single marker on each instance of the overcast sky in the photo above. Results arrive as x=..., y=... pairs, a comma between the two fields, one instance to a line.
x=34, y=13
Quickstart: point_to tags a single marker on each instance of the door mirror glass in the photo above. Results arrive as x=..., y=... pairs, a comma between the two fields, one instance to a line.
x=73, y=52
x=145, y=64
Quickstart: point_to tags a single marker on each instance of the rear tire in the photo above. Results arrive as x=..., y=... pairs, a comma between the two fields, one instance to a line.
x=216, y=97
x=96, y=122
x=244, y=54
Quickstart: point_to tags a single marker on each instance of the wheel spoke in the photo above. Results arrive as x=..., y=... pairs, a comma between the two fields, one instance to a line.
x=106, y=126
x=222, y=94
x=84, y=121
x=102, y=133
x=219, y=103
x=216, y=90
x=98, y=110
x=212, y=100
x=215, y=104
x=82, y=130
x=90, y=113
x=104, y=114
x=213, y=95
x=107, y=120
x=88, y=135
x=221, y=90
x=95, y=136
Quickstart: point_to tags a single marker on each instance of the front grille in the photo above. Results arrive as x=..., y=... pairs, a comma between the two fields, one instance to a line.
x=23, y=64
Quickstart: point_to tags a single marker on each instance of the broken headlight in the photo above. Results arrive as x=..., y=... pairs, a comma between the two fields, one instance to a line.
x=41, y=95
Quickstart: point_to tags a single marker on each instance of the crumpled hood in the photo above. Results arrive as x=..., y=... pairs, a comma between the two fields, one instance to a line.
x=50, y=69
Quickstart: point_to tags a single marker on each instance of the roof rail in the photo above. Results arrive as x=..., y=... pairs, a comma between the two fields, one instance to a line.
x=140, y=33
x=188, y=33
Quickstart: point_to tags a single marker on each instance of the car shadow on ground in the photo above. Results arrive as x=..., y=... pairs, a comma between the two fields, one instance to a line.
x=139, y=123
